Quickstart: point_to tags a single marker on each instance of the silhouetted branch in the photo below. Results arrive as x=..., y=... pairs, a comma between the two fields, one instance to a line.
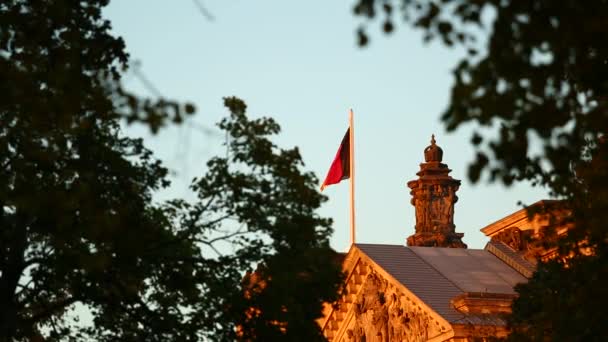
x=136, y=68
x=203, y=10
x=225, y=237
x=51, y=309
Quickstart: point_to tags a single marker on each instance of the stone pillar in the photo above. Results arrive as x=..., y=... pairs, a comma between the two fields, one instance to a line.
x=434, y=196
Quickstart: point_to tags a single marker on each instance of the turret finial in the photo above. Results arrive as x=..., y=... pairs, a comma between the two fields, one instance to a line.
x=433, y=153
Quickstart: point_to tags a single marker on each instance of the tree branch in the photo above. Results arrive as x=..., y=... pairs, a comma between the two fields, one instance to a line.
x=224, y=237
x=203, y=10
x=50, y=310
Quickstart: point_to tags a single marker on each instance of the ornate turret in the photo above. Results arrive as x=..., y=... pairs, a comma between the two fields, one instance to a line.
x=434, y=196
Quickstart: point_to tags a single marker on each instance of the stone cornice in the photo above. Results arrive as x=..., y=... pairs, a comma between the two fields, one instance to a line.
x=514, y=219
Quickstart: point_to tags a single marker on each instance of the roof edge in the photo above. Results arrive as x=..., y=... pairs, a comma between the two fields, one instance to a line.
x=513, y=218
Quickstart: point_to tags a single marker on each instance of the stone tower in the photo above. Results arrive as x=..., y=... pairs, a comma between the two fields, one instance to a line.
x=434, y=196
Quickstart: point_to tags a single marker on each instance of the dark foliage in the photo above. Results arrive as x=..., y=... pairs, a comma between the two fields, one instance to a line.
x=258, y=205
x=80, y=235
x=535, y=83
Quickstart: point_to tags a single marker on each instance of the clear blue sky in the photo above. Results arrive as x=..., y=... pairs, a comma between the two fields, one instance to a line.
x=298, y=62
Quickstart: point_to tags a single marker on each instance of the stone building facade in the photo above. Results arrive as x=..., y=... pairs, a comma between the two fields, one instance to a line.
x=435, y=288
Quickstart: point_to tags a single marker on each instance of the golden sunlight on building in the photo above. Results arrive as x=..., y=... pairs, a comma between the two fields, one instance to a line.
x=436, y=289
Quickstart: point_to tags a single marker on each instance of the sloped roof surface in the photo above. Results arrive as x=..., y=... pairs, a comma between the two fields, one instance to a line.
x=472, y=270
x=436, y=275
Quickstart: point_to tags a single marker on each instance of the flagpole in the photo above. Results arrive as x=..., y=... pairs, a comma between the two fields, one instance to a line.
x=352, y=176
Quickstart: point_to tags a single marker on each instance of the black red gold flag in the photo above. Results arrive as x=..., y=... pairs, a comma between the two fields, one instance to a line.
x=340, y=167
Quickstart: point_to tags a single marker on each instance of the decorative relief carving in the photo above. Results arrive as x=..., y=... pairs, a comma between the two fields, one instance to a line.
x=512, y=237
x=435, y=207
x=530, y=244
x=382, y=313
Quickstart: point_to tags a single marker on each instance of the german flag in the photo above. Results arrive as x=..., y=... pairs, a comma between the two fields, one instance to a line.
x=340, y=167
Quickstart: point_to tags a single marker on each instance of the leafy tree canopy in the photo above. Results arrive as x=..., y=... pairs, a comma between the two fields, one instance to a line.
x=79, y=231
x=534, y=81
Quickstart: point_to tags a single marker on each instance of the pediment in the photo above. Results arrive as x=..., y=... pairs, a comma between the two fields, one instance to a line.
x=376, y=307
x=528, y=236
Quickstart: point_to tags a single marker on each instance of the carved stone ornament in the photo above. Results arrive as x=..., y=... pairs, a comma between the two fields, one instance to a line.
x=382, y=313
x=434, y=196
x=433, y=153
x=530, y=244
x=512, y=237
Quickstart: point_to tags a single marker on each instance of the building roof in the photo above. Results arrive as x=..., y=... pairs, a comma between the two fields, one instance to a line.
x=519, y=218
x=511, y=257
x=437, y=275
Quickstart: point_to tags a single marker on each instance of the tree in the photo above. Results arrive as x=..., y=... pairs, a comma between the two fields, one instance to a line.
x=257, y=201
x=80, y=232
x=538, y=84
